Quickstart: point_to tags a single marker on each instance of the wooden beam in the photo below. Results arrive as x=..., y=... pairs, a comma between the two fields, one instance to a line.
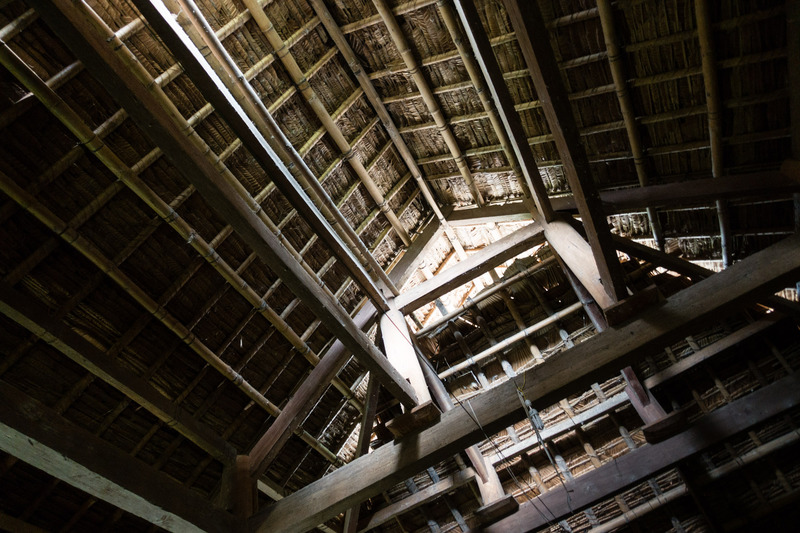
x=475, y=265
x=362, y=447
x=267, y=448
x=39, y=436
x=417, y=499
x=573, y=422
x=484, y=54
x=600, y=357
x=110, y=61
x=695, y=272
x=534, y=41
x=305, y=397
x=34, y=317
x=766, y=184
x=577, y=254
x=647, y=461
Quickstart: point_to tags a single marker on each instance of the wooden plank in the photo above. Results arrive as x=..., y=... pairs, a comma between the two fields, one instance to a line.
x=42, y=438
x=34, y=317
x=105, y=60
x=649, y=460
x=475, y=265
x=600, y=357
x=534, y=41
x=576, y=252
x=419, y=498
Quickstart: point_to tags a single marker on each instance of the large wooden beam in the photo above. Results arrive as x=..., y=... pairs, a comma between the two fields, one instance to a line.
x=417, y=499
x=110, y=61
x=313, y=387
x=484, y=54
x=477, y=264
x=36, y=434
x=534, y=41
x=600, y=357
x=767, y=184
x=214, y=90
x=35, y=318
x=695, y=272
x=647, y=461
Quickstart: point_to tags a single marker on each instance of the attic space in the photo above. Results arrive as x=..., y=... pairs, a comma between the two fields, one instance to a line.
x=401, y=266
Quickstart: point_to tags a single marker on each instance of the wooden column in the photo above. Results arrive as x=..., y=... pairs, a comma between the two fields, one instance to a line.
x=401, y=352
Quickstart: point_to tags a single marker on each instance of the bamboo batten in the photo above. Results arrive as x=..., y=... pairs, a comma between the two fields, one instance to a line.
x=126, y=175
x=510, y=341
x=485, y=294
x=626, y=106
x=288, y=61
x=374, y=98
x=476, y=79
x=199, y=30
x=714, y=120
x=410, y=61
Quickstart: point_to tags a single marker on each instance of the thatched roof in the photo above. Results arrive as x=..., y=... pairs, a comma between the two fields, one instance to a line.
x=157, y=280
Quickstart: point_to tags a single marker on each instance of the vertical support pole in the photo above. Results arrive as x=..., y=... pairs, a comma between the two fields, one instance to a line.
x=367, y=420
x=245, y=497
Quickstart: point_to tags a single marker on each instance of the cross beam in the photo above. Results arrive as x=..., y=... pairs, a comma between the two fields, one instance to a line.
x=599, y=357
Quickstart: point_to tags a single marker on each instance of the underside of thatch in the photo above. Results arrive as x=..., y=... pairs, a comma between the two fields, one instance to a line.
x=118, y=247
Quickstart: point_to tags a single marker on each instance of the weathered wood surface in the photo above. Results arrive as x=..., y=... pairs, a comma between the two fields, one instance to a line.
x=418, y=498
x=91, y=45
x=36, y=434
x=34, y=317
x=649, y=460
x=476, y=264
x=600, y=357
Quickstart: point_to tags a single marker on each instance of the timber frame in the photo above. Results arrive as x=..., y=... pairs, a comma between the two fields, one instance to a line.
x=349, y=266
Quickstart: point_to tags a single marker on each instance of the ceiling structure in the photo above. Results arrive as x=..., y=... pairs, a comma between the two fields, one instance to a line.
x=246, y=242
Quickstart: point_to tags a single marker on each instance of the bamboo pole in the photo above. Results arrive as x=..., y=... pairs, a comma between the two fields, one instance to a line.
x=403, y=47
x=485, y=294
x=476, y=78
x=502, y=345
x=368, y=88
x=626, y=106
x=293, y=69
x=709, y=68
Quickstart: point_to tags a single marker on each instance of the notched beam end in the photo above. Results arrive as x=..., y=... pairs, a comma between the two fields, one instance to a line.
x=497, y=510
x=419, y=418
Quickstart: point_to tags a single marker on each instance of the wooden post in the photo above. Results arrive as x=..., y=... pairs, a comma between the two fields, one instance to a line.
x=401, y=352
x=658, y=424
x=245, y=495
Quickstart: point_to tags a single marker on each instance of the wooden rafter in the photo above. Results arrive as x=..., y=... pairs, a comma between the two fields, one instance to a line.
x=534, y=40
x=89, y=37
x=528, y=172
x=637, y=465
x=476, y=265
x=713, y=103
x=91, y=464
x=600, y=356
x=308, y=393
